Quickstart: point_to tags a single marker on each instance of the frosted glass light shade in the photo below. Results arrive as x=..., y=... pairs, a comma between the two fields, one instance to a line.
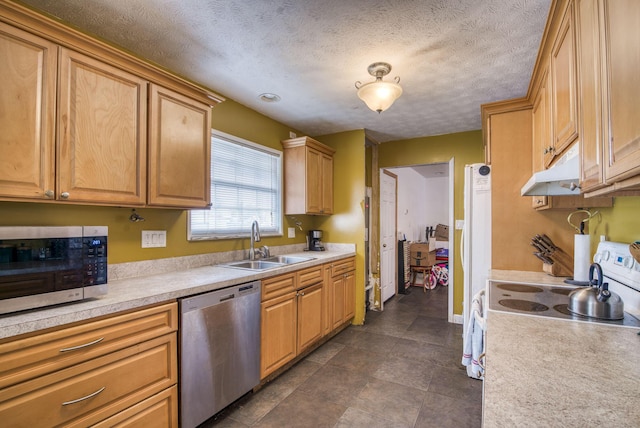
x=379, y=95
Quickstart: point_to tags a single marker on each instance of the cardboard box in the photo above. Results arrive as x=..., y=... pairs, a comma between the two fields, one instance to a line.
x=421, y=256
x=442, y=232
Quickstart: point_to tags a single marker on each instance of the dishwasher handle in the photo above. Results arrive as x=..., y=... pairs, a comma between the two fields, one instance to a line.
x=229, y=297
x=217, y=297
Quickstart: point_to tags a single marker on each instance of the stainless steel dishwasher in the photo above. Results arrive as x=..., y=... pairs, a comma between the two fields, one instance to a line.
x=219, y=350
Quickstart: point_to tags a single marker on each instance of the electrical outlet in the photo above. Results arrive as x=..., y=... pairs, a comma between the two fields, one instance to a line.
x=154, y=238
x=291, y=232
x=459, y=224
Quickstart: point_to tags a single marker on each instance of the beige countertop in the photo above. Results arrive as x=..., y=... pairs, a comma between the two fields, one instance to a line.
x=131, y=293
x=547, y=372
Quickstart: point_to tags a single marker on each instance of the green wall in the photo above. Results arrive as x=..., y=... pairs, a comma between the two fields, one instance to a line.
x=465, y=148
x=619, y=223
x=125, y=236
x=346, y=225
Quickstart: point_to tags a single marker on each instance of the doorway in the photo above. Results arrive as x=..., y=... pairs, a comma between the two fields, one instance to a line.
x=425, y=196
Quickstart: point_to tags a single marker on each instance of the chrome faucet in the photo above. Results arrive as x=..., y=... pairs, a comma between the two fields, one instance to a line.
x=255, y=237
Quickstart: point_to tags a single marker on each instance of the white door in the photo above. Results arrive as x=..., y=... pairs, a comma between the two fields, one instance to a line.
x=388, y=265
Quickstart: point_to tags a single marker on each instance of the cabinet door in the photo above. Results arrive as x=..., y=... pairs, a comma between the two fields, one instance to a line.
x=590, y=94
x=349, y=296
x=564, y=94
x=27, y=103
x=94, y=390
x=327, y=184
x=314, y=182
x=327, y=292
x=541, y=118
x=310, y=308
x=102, y=135
x=159, y=411
x=278, y=333
x=179, y=150
x=338, y=287
x=622, y=127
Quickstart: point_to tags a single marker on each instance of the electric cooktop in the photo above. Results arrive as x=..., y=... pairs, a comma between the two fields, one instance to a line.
x=542, y=300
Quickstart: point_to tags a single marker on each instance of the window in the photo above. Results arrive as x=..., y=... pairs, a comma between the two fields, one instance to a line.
x=246, y=185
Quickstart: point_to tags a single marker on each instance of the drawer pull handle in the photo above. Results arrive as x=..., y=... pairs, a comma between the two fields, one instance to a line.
x=74, y=348
x=77, y=400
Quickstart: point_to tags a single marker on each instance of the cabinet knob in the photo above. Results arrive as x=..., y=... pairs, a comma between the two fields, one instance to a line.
x=64, y=195
x=49, y=193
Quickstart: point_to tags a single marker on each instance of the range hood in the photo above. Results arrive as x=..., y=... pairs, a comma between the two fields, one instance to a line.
x=563, y=178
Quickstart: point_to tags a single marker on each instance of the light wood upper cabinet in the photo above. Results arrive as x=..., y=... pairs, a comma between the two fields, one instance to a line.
x=609, y=43
x=102, y=132
x=541, y=122
x=563, y=88
x=179, y=150
x=27, y=102
x=622, y=90
x=590, y=94
x=76, y=117
x=308, y=177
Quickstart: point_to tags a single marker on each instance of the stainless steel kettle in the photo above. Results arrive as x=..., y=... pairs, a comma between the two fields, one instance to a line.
x=596, y=301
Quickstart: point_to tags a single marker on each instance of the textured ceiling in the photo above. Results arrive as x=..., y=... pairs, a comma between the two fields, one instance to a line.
x=451, y=55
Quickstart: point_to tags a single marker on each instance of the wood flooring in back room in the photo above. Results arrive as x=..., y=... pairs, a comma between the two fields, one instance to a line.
x=400, y=369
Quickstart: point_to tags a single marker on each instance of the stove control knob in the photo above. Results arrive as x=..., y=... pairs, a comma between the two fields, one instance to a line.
x=601, y=257
x=628, y=262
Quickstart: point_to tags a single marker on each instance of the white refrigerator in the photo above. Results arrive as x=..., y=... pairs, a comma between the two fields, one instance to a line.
x=476, y=234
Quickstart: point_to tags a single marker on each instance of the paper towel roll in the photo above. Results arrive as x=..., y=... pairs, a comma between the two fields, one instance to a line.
x=581, y=257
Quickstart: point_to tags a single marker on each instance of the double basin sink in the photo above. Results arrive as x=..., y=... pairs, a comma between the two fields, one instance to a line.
x=268, y=263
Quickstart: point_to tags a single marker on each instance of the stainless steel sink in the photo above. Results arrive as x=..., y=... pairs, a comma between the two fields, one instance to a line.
x=268, y=263
x=254, y=265
x=288, y=260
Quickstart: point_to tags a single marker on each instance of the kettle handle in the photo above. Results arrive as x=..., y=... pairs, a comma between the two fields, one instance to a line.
x=598, y=269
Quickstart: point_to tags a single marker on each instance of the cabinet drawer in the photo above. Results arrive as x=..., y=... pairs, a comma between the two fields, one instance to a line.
x=309, y=276
x=278, y=285
x=40, y=354
x=92, y=391
x=159, y=411
x=343, y=266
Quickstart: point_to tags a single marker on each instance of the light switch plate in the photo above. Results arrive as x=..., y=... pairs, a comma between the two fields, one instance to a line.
x=291, y=232
x=459, y=224
x=154, y=238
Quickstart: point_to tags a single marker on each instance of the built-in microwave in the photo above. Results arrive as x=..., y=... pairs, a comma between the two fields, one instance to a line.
x=48, y=265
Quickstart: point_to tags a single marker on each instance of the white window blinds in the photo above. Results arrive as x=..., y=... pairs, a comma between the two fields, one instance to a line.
x=246, y=185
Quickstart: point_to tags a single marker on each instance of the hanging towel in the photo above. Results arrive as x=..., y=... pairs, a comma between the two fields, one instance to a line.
x=474, y=339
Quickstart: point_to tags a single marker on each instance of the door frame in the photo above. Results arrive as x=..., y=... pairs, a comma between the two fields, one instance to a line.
x=384, y=171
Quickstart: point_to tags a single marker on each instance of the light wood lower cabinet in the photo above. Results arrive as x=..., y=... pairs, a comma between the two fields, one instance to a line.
x=309, y=316
x=300, y=308
x=278, y=332
x=81, y=375
x=159, y=411
x=343, y=291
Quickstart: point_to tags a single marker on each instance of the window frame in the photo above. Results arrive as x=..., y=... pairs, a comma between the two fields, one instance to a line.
x=244, y=234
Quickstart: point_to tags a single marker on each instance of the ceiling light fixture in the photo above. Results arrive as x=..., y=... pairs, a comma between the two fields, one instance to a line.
x=379, y=95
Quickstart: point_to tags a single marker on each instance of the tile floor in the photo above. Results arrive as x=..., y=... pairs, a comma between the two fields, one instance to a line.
x=401, y=369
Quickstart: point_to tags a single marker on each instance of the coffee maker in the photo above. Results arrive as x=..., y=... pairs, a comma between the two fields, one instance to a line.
x=314, y=240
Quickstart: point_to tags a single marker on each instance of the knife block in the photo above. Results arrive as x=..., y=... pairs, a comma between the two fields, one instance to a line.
x=562, y=264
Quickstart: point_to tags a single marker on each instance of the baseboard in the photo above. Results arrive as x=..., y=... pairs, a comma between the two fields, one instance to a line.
x=457, y=319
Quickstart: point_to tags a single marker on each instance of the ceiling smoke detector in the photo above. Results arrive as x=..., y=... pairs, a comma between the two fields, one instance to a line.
x=268, y=97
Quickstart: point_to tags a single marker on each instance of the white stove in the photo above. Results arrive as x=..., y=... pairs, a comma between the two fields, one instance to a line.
x=620, y=270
